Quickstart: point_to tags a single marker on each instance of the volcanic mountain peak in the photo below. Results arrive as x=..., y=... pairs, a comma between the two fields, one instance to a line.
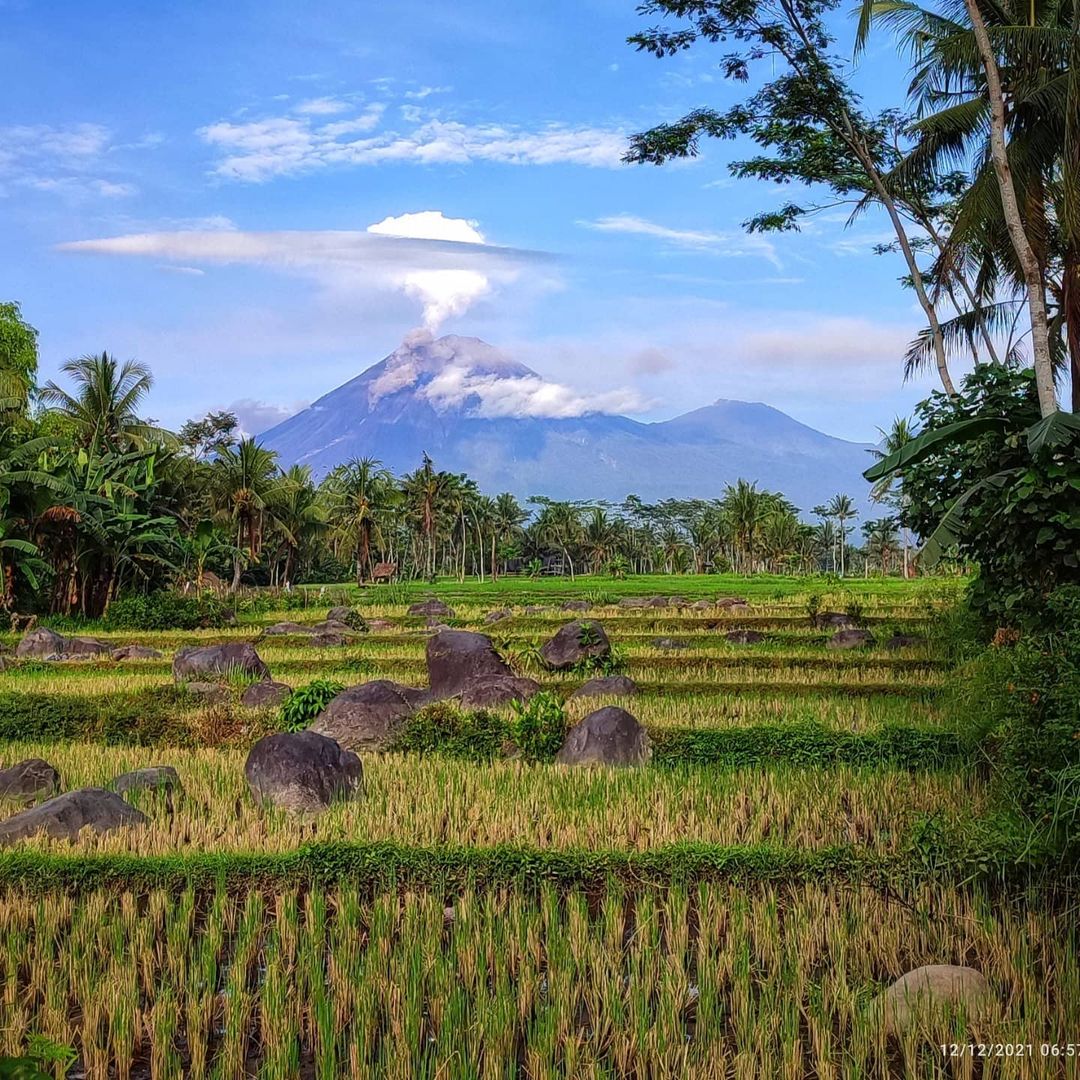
x=475, y=410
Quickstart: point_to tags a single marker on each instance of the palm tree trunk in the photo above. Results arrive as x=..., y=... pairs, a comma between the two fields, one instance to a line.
x=1025, y=253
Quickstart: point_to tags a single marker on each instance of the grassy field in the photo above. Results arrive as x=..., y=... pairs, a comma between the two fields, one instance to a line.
x=722, y=960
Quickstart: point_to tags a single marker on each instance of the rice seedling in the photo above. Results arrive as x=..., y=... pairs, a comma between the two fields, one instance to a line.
x=704, y=981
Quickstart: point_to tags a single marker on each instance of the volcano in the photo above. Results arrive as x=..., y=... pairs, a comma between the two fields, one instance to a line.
x=474, y=410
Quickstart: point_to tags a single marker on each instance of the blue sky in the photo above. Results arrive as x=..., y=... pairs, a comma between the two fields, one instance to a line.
x=194, y=184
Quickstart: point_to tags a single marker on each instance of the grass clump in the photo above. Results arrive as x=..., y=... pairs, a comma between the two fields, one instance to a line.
x=442, y=728
x=539, y=726
x=168, y=611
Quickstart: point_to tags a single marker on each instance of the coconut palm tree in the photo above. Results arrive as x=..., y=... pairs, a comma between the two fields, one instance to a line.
x=360, y=496
x=243, y=484
x=298, y=516
x=843, y=509
x=104, y=408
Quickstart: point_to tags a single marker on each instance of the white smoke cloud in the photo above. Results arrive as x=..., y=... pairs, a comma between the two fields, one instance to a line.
x=444, y=293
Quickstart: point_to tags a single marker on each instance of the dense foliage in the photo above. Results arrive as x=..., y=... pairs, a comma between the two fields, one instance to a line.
x=1016, y=513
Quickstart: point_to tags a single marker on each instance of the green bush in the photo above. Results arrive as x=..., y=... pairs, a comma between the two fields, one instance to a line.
x=539, y=726
x=1023, y=700
x=443, y=728
x=306, y=702
x=168, y=611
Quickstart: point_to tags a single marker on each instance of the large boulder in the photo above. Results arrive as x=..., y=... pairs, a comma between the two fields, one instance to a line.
x=609, y=736
x=43, y=644
x=265, y=695
x=136, y=652
x=491, y=691
x=195, y=662
x=369, y=716
x=850, y=639
x=431, y=607
x=575, y=642
x=341, y=614
x=302, y=771
x=27, y=781
x=65, y=816
x=745, y=637
x=935, y=988
x=457, y=658
x=608, y=686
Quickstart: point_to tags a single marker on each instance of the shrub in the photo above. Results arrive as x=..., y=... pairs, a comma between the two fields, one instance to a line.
x=539, y=727
x=167, y=611
x=442, y=728
x=306, y=702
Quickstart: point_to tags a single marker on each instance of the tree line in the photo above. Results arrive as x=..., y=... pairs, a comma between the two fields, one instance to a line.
x=96, y=500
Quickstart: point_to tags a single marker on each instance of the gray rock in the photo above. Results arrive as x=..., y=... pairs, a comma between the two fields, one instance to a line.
x=536, y=609
x=609, y=736
x=46, y=644
x=340, y=614
x=657, y=602
x=497, y=616
x=677, y=601
x=492, y=691
x=457, y=658
x=265, y=695
x=302, y=771
x=283, y=629
x=330, y=639
x=63, y=817
x=935, y=988
x=432, y=607
x=834, y=620
x=731, y=602
x=745, y=637
x=576, y=605
x=633, y=602
x=159, y=779
x=702, y=605
x=903, y=641
x=136, y=652
x=565, y=649
x=207, y=692
x=194, y=661
x=369, y=716
x=29, y=780
x=381, y=625
x=670, y=643
x=609, y=686
x=850, y=639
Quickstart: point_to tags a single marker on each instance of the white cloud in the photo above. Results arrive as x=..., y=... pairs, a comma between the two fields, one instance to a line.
x=425, y=92
x=430, y=225
x=254, y=417
x=64, y=161
x=734, y=244
x=322, y=106
x=650, y=361
x=278, y=146
x=189, y=271
x=494, y=395
x=443, y=262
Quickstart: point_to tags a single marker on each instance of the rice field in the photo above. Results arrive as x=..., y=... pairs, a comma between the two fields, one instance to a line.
x=721, y=978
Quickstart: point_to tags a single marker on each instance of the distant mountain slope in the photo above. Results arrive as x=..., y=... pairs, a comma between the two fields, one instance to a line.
x=456, y=398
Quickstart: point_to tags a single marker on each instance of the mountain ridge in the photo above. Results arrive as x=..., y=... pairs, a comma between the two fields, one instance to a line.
x=473, y=409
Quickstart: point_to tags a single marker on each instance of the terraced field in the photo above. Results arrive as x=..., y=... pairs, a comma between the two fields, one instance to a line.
x=735, y=908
